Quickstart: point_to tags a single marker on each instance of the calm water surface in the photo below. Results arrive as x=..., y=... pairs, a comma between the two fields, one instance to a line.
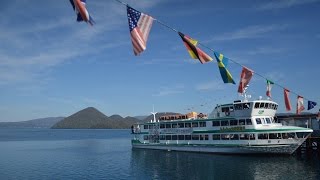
x=107, y=154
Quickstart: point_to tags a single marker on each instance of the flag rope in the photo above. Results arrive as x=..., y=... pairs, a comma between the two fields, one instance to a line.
x=207, y=47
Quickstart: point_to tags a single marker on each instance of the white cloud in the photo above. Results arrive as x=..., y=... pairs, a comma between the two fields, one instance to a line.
x=211, y=86
x=255, y=31
x=281, y=4
x=166, y=91
x=33, y=43
x=266, y=50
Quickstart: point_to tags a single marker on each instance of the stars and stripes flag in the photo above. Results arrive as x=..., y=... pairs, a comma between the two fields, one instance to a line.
x=79, y=6
x=194, y=51
x=269, y=87
x=300, y=106
x=311, y=105
x=140, y=25
x=286, y=99
x=222, y=64
x=246, y=76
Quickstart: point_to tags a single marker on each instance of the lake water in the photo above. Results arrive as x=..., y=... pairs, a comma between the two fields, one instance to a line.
x=107, y=154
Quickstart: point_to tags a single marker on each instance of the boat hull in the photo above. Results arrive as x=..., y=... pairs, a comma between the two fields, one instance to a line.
x=261, y=149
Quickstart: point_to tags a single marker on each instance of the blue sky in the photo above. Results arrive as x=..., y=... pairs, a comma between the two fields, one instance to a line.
x=51, y=65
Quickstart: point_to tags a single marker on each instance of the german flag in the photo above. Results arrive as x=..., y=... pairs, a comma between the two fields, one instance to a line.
x=194, y=51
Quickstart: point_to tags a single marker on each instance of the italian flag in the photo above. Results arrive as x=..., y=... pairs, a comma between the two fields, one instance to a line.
x=269, y=87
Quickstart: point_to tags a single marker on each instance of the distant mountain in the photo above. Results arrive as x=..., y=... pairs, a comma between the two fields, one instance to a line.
x=94, y=119
x=35, y=123
x=140, y=117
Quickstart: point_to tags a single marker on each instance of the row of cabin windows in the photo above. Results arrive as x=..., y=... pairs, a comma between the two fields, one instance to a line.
x=201, y=137
x=266, y=106
x=241, y=106
x=232, y=136
x=233, y=122
x=282, y=135
x=178, y=125
x=244, y=106
x=264, y=120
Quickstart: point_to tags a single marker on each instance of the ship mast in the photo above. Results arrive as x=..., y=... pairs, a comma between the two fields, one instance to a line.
x=154, y=115
x=245, y=95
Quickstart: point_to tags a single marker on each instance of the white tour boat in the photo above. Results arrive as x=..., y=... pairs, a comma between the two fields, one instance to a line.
x=240, y=127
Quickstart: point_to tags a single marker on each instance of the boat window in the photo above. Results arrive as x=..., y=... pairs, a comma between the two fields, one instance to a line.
x=174, y=137
x=231, y=109
x=246, y=106
x=242, y=122
x=216, y=137
x=202, y=137
x=188, y=137
x=302, y=134
x=256, y=105
x=251, y=137
x=274, y=136
x=162, y=126
x=238, y=106
x=202, y=124
x=145, y=127
x=234, y=136
x=268, y=120
x=225, y=123
x=292, y=135
x=234, y=122
x=195, y=124
x=181, y=125
x=168, y=137
x=244, y=136
x=168, y=125
x=180, y=137
x=195, y=137
x=258, y=120
x=276, y=107
x=215, y=123
x=261, y=105
x=206, y=137
x=284, y=135
x=187, y=125
x=266, y=105
x=146, y=137
x=262, y=136
x=174, y=125
x=263, y=121
x=270, y=106
x=248, y=122
x=225, y=109
x=162, y=137
x=225, y=136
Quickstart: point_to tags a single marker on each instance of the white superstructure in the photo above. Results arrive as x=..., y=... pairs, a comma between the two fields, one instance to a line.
x=240, y=127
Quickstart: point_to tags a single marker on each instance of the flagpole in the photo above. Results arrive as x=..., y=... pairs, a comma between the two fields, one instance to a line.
x=205, y=46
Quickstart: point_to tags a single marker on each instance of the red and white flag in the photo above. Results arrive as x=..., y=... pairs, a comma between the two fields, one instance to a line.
x=287, y=100
x=140, y=25
x=300, y=106
x=246, y=75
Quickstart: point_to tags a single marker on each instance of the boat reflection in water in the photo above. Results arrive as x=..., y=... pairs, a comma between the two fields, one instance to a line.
x=157, y=164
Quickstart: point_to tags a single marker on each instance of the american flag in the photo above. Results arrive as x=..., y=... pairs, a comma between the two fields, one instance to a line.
x=139, y=25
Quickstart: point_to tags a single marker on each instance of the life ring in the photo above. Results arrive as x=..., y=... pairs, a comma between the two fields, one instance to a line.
x=227, y=113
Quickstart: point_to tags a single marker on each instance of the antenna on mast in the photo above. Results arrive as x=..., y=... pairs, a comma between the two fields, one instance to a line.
x=154, y=114
x=245, y=95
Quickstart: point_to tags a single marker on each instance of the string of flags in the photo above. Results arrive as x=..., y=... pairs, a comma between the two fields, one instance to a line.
x=140, y=25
